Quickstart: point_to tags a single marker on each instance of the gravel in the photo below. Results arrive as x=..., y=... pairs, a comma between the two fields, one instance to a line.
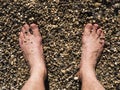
x=61, y=24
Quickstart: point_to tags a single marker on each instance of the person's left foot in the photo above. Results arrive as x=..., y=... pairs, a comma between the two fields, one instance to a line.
x=32, y=48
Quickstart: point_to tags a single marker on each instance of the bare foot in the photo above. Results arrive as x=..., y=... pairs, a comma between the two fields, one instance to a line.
x=92, y=46
x=32, y=48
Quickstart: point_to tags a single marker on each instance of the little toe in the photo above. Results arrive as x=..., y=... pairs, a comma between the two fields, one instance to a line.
x=35, y=29
x=26, y=31
x=21, y=38
x=88, y=29
x=94, y=30
x=102, y=35
x=102, y=42
x=99, y=31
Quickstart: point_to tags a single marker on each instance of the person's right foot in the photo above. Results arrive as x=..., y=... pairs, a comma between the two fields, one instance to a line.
x=31, y=45
x=92, y=46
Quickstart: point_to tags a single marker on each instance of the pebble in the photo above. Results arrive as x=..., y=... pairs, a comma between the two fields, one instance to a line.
x=61, y=24
x=76, y=78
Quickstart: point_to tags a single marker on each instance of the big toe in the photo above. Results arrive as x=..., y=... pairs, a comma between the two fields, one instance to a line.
x=35, y=29
x=26, y=30
x=88, y=29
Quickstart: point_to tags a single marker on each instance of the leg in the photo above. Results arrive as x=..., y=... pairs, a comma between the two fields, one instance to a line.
x=92, y=46
x=32, y=48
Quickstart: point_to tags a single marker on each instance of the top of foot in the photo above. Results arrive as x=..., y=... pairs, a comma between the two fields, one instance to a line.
x=92, y=41
x=31, y=46
x=92, y=46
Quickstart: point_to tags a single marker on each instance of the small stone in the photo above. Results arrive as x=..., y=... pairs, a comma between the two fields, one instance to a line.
x=76, y=78
x=32, y=18
x=97, y=4
x=118, y=87
x=63, y=71
x=57, y=1
x=61, y=24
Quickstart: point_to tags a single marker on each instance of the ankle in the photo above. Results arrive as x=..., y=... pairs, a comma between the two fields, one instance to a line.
x=87, y=72
x=38, y=72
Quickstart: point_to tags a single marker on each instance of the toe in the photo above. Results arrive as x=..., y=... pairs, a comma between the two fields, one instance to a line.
x=26, y=29
x=102, y=42
x=21, y=38
x=94, y=30
x=99, y=31
x=102, y=38
x=35, y=29
x=20, y=42
x=102, y=35
x=88, y=29
x=23, y=30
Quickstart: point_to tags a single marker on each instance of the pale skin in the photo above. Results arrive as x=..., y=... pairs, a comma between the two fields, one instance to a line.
x=92, y=46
